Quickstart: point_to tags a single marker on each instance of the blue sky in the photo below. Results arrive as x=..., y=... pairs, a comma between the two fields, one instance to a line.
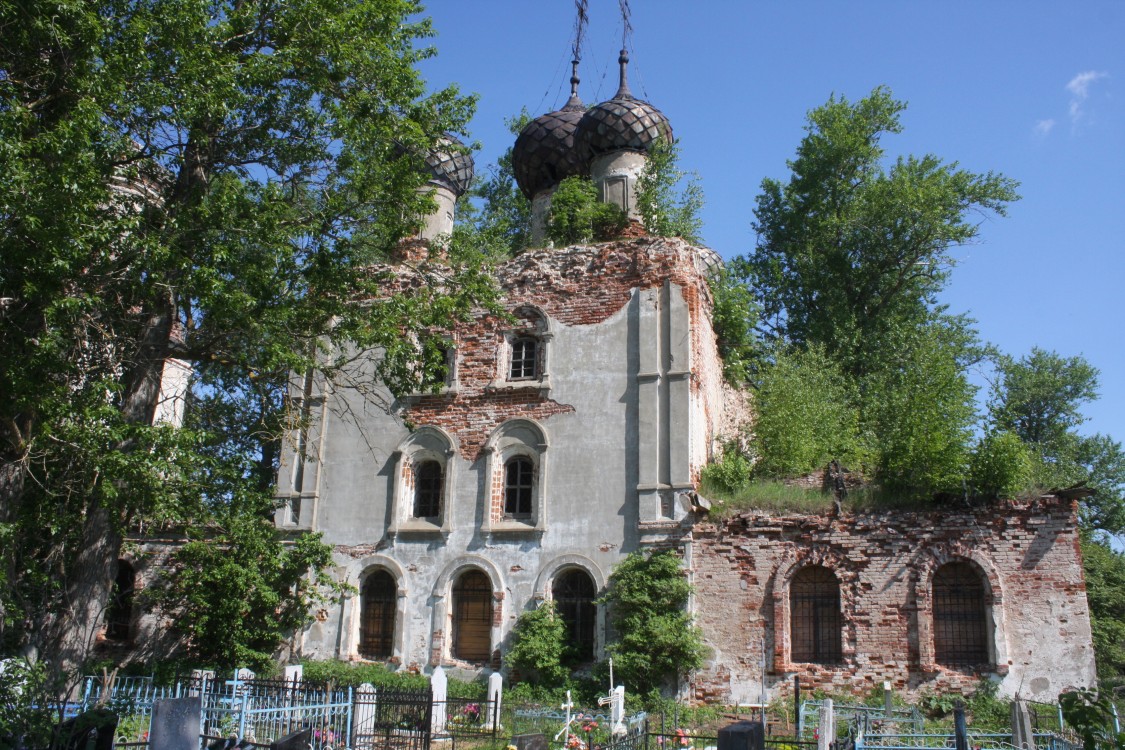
x=1032, y=89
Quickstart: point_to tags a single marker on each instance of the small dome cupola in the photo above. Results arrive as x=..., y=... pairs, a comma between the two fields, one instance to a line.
x=450, y=165
x=613, y=138
x=545, y=154
x=451, y=175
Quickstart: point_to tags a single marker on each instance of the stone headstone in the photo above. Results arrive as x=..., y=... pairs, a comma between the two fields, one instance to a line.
x=495, y=693
x=530, y=741
x=439, y=684
x=294, y=673
x=175, y=723
x=242, y=674
x=297, y=741
x=742, y=735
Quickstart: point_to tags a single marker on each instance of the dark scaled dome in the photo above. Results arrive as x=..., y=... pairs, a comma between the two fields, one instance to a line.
x=624, y=123
x=545, y=152
x=451, y=168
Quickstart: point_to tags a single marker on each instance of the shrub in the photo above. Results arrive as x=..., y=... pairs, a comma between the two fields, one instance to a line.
x=539, y=646
x=1000, y=465
x=577, y=215
x=656, y=640
x=668, y=199
x=805, y=417
x=729, y=474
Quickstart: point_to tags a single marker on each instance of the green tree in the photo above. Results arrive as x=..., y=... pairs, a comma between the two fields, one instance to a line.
x=1105, y=591
x=578, y=216
x=669, y=199
x=1040, y=397
x=655, y=642
x=850, y=252
x=538, y=649
x=733, y=316
x=920, y=411
x=204, y=180
x=500, y=211
x=806, y=414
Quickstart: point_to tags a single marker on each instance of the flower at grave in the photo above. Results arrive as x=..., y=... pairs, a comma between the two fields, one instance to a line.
x=682, y=736
x=589, y=725
x=574, y=743
x=471, y=711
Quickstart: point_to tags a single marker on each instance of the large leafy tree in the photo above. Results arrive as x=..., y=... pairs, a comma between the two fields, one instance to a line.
x=1039, y=397
x=851, y=253
x=204, y=179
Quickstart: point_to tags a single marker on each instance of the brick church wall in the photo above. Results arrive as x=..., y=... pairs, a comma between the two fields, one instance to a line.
x=1027, y=553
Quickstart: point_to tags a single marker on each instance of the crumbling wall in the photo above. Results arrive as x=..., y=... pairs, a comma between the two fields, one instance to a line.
x=1036, y=598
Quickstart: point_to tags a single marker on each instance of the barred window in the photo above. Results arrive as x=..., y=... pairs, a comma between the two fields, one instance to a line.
x=815, y=624
x=519, y=481
x=427, y=489
x=377, y=616
x=525, y=359
x=574, y=595
x=960, y=631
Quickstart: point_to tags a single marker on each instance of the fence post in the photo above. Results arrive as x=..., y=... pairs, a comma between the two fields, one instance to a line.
x=827, y=734
x=797, y=703
x=961, y=737
x=242, y=715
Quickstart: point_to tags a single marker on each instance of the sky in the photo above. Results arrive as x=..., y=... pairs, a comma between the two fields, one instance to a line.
x=1032, y=89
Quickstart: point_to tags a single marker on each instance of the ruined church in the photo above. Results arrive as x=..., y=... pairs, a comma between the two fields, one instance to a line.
x=573, y=431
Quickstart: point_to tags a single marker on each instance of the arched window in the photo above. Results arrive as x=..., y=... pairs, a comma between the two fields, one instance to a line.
x=472, y=617
x=814, y=606
x=519, y=482
x=960, y=631
x=378, y=599
x=424, y=474
x=119, y=613
x=427, y=489
x=574, y=593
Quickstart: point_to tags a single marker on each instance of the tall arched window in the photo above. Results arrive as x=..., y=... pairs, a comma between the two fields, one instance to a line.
x=119, y=613
x=815, y=623
x=574, y=593
x=427, y=489
x=472, y=617
x=960, y=628
x=519, y=482
x=378, y=600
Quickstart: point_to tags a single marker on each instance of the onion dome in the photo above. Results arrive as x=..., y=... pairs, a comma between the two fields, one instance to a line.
x=450, y=168
x=545, y=153
x=624, y=123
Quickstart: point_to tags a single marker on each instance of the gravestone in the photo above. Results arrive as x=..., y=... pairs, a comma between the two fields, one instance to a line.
x=175, y=723
x=294, y=672
x=530, y=741
x=495, y=693
x=242, y=674
x=439, y=685
x=742, y=735
x=301, y=740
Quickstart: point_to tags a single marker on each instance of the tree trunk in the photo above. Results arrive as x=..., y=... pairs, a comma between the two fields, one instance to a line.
x=90, y=583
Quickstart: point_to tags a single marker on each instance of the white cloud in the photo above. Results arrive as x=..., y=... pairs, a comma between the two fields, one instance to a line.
x=1079, y=88
x=1043, y=127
